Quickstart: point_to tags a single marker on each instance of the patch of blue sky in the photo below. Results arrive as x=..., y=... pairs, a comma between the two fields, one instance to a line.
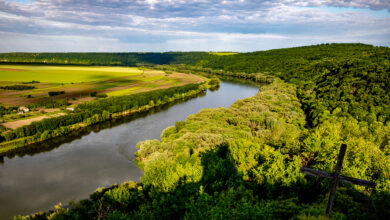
x=137, y=38
x=382, y=13
x=375, y=13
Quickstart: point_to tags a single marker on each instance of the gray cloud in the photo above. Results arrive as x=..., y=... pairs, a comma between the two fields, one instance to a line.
x=159, y=23
x=372, y=4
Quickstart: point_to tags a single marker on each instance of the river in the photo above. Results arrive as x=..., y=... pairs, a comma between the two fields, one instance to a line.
x=70, y=168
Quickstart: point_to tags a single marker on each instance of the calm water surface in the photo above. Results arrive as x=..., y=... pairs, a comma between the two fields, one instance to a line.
x=69, y=169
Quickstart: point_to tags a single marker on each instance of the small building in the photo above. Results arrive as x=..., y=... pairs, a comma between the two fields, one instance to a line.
x=23, y=110
x=70, y=109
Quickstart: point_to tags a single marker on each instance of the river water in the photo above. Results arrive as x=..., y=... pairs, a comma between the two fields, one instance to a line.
x=70, y=168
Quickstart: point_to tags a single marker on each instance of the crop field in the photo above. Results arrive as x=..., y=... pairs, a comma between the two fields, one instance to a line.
x=78, y=82
x=63, y=74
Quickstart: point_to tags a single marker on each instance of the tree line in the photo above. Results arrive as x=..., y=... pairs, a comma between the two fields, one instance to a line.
x=17, y=87
x=96, y=111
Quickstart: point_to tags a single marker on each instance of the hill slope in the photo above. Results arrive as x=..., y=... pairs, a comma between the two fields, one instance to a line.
x=243, y=162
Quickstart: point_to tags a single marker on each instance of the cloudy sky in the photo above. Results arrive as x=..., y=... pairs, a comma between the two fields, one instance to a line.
x=188, y=25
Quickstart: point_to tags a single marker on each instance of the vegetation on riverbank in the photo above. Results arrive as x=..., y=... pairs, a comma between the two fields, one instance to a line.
x=243, y=162
x=27, y=111
x=94, y=112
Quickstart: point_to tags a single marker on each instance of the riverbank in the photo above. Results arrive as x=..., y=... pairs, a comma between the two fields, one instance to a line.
x=186, y=91
x=201, y=158
x=71, y=167
x=242, y=162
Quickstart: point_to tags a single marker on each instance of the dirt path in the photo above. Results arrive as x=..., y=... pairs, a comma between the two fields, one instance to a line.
x=20, y=123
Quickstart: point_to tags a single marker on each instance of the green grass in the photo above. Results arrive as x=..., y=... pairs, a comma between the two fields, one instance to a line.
x=116, y=83
x=80, y=81
x=151, y=78
x=32, y=114
x=63, y=74
x=108, y=86
x=223, y=53
x=148, y=83
x=123, y=91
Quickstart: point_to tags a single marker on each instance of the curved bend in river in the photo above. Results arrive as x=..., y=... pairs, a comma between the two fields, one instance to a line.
x=74, y=169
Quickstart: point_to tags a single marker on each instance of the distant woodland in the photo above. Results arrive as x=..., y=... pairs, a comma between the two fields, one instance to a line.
x=243, y=162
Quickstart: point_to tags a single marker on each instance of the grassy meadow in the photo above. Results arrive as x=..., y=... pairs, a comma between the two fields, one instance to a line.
x=63, y=74
x=34, y=85
x=78, y=82
x=223, y=53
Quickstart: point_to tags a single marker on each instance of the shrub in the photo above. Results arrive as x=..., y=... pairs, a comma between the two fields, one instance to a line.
x=55, y=93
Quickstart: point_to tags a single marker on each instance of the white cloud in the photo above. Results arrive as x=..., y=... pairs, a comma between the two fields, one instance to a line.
x=151, y=25
x=183, y=41
x=10, y=42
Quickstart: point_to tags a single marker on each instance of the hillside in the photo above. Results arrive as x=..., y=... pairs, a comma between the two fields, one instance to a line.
x=298, y=63
x=243, y=162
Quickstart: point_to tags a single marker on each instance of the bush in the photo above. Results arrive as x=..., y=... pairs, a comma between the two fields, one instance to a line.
x=55, y=93
x=179, y=125
x=214, y=81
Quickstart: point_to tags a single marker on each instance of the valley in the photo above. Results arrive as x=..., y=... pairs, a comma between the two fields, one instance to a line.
x=243, y=161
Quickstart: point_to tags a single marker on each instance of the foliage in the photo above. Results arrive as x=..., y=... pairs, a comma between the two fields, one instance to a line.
x=96, y=111
x=243, y=162
x=291, y=64
x=243, y=125
x=122, y=103
x=4, y=110
x=351, y=88
x=17, y=87
x=31, y=82
x=51, y=103
x=93, y=94
x=214, y=81
x=55, y=93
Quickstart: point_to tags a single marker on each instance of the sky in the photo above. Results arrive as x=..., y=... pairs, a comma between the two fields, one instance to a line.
x=188, y=25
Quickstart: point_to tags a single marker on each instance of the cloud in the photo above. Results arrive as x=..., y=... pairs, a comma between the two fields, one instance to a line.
x=371, y=4
x=52, y=43
x=158, y=24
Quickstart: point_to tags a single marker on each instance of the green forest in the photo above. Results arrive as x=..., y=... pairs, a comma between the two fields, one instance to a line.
x=243, y=162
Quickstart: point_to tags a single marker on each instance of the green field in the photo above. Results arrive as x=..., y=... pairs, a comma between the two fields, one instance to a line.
x=78, y=82
x=223, y=53
x=63, y=74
